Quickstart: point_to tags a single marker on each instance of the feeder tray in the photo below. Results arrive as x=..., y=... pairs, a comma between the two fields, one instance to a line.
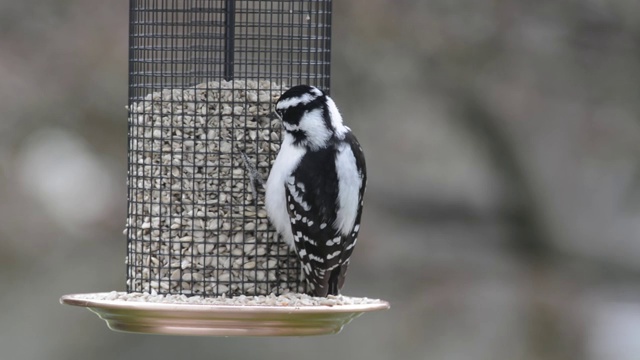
x=203, y=79
x=221, y=320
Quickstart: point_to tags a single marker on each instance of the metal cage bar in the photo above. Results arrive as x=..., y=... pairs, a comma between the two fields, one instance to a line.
x=203, y=78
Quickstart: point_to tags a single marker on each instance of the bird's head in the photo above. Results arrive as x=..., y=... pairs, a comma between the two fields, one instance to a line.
x=310, y=116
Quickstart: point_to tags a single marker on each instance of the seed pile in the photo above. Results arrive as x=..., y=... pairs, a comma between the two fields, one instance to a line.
x=289, y=299
x=195, y=224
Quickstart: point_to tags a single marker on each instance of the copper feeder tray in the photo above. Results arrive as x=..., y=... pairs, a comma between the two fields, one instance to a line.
x=221, y=320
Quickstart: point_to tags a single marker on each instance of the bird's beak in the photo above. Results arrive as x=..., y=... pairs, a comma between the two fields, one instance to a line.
x=278, y=114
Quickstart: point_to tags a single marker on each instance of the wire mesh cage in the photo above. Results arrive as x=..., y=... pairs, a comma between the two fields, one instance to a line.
x=204, y=76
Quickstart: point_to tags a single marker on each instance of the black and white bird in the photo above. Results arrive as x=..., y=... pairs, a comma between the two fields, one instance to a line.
x=314, y=193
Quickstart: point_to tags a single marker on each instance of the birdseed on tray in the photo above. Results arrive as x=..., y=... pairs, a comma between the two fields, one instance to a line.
x=289, y=299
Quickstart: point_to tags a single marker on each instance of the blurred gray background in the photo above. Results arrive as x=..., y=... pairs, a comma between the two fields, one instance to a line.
x=503, y=214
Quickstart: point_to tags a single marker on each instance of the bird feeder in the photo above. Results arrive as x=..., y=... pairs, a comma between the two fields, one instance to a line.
x=202, y=258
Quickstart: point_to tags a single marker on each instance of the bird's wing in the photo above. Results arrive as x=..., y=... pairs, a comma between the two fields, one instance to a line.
x=311, y=192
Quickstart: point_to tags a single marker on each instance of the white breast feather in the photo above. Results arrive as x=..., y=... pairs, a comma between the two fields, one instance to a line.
x=275, y=198
x=349, y=182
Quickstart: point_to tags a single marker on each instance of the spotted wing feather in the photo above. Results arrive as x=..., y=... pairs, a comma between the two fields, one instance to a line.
x=312, y=202
x=311, y=193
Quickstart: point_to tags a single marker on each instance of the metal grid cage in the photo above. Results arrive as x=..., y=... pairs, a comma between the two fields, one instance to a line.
x=204, y=76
